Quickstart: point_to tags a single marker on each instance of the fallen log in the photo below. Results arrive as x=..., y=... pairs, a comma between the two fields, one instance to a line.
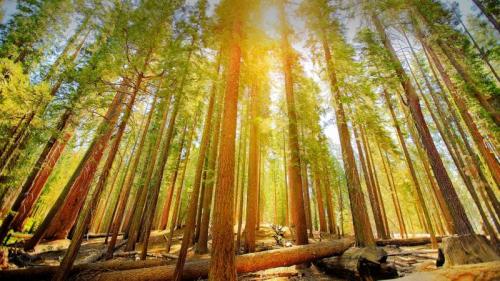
x=99, y=235
x=46, y=272
x=481, y=271
x=368, y=263
x=244, y=263
x=410, y=253
x=407, y=242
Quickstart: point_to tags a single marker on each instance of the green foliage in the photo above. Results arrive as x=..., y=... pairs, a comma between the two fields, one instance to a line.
x=33, y=24
x=17, y=94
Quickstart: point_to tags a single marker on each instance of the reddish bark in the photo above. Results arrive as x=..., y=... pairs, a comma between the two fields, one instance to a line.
x=253, y=172
x=64, y=211
x=222, y=265
x=39, y=183
x=460, y=220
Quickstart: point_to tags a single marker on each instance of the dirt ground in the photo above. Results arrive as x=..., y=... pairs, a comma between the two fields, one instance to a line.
x=406, y=259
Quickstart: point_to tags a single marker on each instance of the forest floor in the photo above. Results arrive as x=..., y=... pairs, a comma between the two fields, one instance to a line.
x=406, y=259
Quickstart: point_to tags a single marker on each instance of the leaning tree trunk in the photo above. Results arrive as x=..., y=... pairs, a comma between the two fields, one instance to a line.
x=85, y=215
x=78, y=182
x=142, y=193
x=486, y=153
x=155, y=183
x=460, y=220
x=66, y=218
x=376, y=184
x=35, y=181
x=369, y=181
x=127, y=185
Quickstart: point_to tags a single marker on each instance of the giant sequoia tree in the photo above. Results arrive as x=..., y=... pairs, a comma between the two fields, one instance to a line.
x=188, y=128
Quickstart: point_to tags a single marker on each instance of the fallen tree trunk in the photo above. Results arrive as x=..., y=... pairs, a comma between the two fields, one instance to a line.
x=368, y=263
x=489, y=271
x=407, y=242
x=244, y=263
x=99, y=235
x=46, y=272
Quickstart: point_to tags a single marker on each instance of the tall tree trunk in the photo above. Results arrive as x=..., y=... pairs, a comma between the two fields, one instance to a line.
x=395, y=200
x=376, y=185
x=296, y=194
x=369, y=181
x=486, y=153
x=460, y=220
x=142, y=193
x=361, y=222
x=102, y=206
x=85, y=215
x=127, y=185
x=411, y=168
x=245, y=120
x=170, y=192
x=463, y=146
x=319, y=200
x=332, y=224
x=35, y=181
x=155, y=184
x=253, y=171
x=285, y=173
x=307, y=198
x=202, y=246
x=222, y=265
x=175, y=223
x=80, y=180
x=67, y=216
x=110, y=216
x=456, y=157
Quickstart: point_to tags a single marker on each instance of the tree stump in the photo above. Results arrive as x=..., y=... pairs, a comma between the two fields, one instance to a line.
x=360, y=264
x=467, y=249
